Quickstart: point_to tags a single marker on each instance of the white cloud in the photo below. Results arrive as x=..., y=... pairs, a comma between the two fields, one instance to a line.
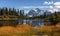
x=58, y=7
x=53, y=10
x=27, y=7
x=57, y=3
x=48, y=3
x=51, y=7
x=45, y=2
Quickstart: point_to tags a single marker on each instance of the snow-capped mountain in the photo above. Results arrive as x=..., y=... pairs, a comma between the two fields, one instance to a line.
x=37, y=12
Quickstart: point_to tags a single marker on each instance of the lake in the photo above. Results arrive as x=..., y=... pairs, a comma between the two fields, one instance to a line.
x=32, y=22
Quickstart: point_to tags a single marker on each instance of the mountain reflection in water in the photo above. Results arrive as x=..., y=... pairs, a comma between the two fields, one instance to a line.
x=32, y=22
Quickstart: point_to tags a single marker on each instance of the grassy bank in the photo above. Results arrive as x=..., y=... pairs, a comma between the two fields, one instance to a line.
x=27, y=30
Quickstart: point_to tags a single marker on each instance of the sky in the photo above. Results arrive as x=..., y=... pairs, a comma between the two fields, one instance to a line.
x=50, y=5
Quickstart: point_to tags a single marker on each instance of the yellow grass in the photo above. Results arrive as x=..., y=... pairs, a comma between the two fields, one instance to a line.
x=25, y=30
x=6, y=29
x=17, y=29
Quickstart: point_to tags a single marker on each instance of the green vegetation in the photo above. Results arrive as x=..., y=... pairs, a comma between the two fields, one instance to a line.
x=55, y=18
x=11, y=14
x=8, y=17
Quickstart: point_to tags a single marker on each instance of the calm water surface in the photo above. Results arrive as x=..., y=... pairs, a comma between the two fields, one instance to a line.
x=32, y=22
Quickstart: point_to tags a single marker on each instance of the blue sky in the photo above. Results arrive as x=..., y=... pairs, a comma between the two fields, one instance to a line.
x=17, y=3
x=28, y=4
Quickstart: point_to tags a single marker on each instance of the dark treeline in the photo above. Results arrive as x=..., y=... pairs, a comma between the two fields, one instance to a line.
x=54, y=18
x=11, y=11
x=8, y=13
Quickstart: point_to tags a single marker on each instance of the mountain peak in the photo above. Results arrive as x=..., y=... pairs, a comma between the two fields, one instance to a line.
x=37, y=12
